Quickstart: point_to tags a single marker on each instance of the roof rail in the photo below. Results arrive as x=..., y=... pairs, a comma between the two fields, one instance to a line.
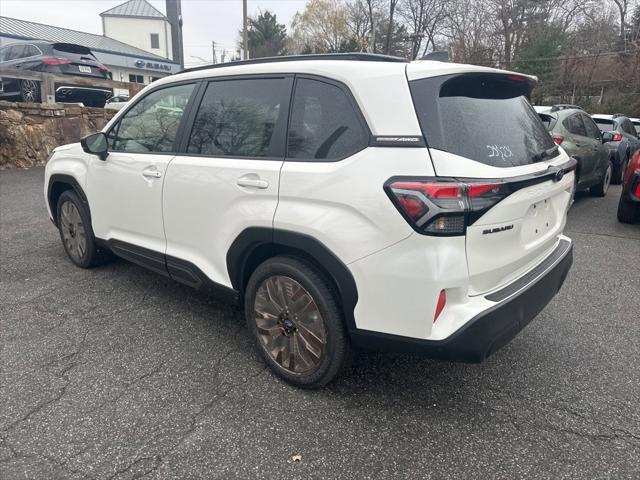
x=363, y=57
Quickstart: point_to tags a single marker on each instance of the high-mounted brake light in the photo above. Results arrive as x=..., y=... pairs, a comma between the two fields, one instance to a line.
x=444, y=207
x=55, y=61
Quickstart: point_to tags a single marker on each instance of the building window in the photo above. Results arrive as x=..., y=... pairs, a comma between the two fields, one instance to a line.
x=155, y=40
x=153, y=79
x=136, y=78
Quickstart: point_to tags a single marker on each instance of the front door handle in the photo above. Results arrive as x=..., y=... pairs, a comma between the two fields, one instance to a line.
x=252, y=181
x=151, y=172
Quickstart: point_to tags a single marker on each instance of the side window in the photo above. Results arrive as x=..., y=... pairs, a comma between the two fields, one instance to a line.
x=152, y=124
x=238, y=118
x=15, y=52
x=31, y=51
x=4, y=53
x=323, y=123
x=574, y=125
x=592, y=128
x=155, y=40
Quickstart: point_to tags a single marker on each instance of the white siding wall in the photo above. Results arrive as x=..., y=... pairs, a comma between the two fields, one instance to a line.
x=137, y=32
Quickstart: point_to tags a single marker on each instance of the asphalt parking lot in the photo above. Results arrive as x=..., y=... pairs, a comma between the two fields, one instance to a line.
x=119, y=373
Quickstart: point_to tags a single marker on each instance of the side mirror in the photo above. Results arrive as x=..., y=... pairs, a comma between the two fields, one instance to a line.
x=607, y=137
x=96, y=144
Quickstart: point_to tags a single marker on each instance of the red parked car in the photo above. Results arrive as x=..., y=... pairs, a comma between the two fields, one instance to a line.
x=629, y=206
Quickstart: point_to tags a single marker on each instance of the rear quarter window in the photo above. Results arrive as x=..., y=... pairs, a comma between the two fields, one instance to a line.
x=483, y=117
x=324, y=124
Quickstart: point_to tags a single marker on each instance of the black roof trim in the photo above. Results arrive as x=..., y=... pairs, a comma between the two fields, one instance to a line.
x=363, y=57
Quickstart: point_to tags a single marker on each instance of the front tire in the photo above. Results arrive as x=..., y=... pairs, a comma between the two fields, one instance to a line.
x=293, y=313
x=76, y=233
x=627, y=211
x=601, y=189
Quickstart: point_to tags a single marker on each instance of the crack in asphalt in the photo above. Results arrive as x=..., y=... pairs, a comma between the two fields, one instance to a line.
x=616, y=433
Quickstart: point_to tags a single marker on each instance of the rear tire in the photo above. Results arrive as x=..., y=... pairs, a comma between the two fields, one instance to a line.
x=77, y=237
x=30, y=91
x=293, y=313
x=601, y=189
x=627, y=211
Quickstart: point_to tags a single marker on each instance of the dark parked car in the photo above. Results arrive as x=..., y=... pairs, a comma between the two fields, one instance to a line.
x=629, y=205
x=625, y=141
x=57, y=58
x=579, y=136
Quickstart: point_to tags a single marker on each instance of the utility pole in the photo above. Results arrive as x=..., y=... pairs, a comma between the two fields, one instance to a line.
x=245, y=47
x=174, y=14
x=213, y=52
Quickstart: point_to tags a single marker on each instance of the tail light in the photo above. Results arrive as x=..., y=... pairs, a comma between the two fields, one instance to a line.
x=102, y=68
x=444, y=208
x=442, y=301
x=558, y=139
x=55, y=61
x=617, y=137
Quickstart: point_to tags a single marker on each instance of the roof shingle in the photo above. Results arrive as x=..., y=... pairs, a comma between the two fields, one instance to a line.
x=134, y=8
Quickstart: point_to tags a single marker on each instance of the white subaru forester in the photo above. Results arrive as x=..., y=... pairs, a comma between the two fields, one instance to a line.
x=349, y=200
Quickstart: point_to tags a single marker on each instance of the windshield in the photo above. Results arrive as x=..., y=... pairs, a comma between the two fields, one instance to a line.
x=483, y=117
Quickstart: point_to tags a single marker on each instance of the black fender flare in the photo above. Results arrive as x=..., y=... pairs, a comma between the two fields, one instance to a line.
x=250, y=239
x=57, y=178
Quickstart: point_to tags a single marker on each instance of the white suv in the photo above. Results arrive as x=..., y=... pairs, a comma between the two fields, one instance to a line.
x=349, y=200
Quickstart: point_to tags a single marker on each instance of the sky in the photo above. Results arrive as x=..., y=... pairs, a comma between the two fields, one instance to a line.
x=204, y=20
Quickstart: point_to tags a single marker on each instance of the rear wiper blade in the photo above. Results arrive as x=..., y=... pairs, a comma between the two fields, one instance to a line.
x=548, y=153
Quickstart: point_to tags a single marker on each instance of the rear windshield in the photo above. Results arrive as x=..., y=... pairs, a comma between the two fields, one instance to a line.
x=73, y=52
x=484, y=117
x=604, y=125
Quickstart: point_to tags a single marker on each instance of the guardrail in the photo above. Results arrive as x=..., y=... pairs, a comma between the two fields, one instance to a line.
x=47, y=82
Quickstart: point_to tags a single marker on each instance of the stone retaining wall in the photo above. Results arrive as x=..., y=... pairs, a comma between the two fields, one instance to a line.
x=29, y=131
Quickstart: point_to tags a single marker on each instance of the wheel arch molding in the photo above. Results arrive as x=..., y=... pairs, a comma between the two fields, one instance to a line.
x=58, y=183
x=256, y=244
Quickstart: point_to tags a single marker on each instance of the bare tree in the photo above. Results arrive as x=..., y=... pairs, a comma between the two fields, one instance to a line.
x=392, y=9
x=422, y=17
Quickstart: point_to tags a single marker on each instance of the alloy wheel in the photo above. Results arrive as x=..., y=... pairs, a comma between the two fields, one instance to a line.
x=289, y=323
x=29, y=90
x=73, y=231
x=607, y=178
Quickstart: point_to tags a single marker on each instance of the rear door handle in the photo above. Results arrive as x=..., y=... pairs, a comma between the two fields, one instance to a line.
x=151, y=172
x=252, y=181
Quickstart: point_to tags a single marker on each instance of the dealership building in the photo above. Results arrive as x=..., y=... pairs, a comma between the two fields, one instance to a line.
x=136, y=45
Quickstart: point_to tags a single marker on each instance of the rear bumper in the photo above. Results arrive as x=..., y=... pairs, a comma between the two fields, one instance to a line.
x=71, y=93
x=493, y=328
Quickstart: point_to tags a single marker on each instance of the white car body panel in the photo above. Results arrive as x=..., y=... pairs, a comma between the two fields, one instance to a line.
x=205, y=209
x=125, y=204
x=343, y=204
